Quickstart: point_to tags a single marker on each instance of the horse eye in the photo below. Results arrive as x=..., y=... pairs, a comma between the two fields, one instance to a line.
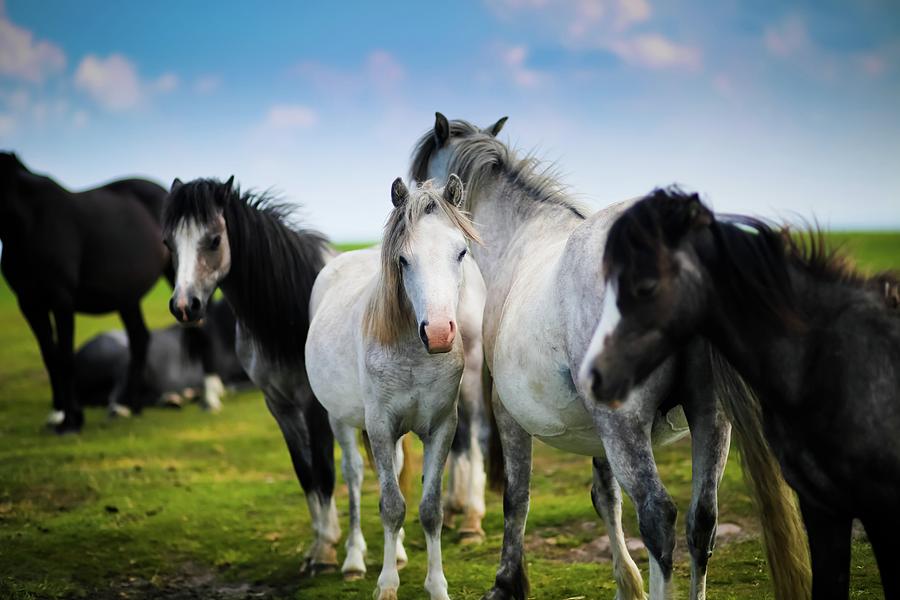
x=404, y=262
x=214, y=243
x=461, y=255
x=645, y=288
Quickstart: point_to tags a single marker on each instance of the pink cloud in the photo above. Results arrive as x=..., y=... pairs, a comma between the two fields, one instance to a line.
x=23, y=57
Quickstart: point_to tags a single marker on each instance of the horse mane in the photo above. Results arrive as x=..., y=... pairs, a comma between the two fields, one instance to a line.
x=388, y=317
x=273, y=262
x=479, y=157
x=754, y=256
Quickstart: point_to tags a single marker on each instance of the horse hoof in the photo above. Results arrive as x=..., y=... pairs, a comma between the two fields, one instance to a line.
x=55, y=418
x=119, y=411
x=385, y=594
x=311, y=569
x=354, y=575
x=470, y=537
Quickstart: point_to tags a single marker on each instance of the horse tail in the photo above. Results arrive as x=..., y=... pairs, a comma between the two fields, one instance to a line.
x=405, y=476
x=496, y=473
x=784, y=536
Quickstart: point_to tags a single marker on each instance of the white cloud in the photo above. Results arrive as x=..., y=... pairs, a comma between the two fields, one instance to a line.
x=115, y=84
x=655, y=51
x=380, y=71
x=112, y=82
x=207, y=84
x=608, y=25
x=514, y=59
x=23, y=57
x=290, y=117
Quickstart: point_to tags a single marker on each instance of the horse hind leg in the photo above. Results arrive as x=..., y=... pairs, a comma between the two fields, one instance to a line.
x=354, y=566
x=884, y=535
x=710, y=440
x=606, y=496
x=39, y=321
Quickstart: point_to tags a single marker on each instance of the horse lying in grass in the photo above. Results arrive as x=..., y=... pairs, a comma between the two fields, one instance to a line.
x=174, y=370
x=386, y=354
x=817, y=344
x=541, y=263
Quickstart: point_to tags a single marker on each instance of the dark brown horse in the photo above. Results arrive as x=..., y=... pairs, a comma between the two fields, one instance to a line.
x=817, y=343
x=94, y=252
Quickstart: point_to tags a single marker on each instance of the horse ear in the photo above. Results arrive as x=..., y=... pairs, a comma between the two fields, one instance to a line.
x=441, y=129
x=399, y=193
x=494, y=129
x=176, y=185
x=453, y=191
x=699, y=215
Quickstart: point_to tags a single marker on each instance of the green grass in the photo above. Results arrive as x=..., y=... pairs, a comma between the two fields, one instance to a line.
x=179, y=500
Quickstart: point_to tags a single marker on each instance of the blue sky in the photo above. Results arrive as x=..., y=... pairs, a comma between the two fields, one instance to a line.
x=773, y=108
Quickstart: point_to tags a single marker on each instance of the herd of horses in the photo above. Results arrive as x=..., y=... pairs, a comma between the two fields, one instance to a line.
x=496, y=306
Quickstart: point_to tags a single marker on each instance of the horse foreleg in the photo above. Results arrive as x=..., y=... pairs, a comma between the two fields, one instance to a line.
x=138, y=341
x=393, y=506
x=630, y=455
x=309, y=440
x=829, y=551
x=39, y=321
x=437, y=446
x=606, y=496
x=511, y=581
x=354, y=566
x=884, y=535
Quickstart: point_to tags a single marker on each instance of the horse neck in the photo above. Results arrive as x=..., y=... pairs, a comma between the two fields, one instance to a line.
x=512, y=222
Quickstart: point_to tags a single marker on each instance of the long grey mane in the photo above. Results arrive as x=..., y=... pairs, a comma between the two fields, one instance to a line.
x=479, y=158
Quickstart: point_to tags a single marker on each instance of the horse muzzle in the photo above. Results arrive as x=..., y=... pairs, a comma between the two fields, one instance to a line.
x=437, y=337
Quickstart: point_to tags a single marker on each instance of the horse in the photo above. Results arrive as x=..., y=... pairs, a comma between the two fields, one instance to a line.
x=247, y=245
x=174, y=369
x=815, y=344
x=385, y=353
x=544, y=298
x=94, y=252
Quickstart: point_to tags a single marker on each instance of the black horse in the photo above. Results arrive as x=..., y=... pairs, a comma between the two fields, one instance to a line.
x=174, y=370
x=817, y=343
x=96, y=251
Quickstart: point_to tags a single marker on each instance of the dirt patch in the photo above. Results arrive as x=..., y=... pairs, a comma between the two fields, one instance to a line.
x=567, y=544
x=193, y=583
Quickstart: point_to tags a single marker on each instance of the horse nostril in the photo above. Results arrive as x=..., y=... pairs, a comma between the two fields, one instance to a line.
x=172, y=308
x=195, y=304
x=452, y=327
x=422, y=335
x=596, y=382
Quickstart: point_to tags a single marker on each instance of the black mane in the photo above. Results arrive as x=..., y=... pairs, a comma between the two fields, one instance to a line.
x=753, y=257
x=273, y=265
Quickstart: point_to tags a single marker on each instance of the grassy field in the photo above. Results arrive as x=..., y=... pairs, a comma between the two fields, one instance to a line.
x=190, y=505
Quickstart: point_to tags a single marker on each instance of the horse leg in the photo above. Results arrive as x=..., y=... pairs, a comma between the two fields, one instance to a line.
x=511, y=581
x=437, y=446
x=630, y=455
x=710, y=441
x=138, y=340
x=65, y=342
x=392, y=505
x=829, y=551
x=354, y=566
x=292, y=413
x=606, y=496
x=39, y=321
x=472, y=399
x=885, y=539
x=201, y=346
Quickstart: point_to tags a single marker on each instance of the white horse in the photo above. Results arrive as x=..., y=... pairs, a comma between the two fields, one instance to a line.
x=372, y=312
x=542, y=263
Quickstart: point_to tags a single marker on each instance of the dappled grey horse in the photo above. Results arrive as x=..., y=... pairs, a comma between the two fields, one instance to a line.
x=545, y=293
